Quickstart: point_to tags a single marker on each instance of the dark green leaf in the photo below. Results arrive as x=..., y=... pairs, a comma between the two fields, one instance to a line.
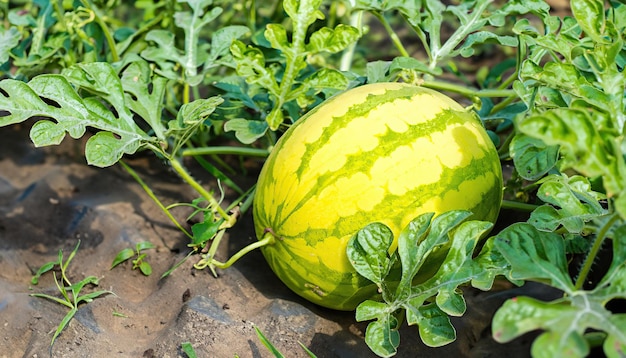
x=246, y=131
x=413, y=250
x=368, y=251
x=524, y=314
x=144, y=94
x=223, y=38
x=369, y=310
x=204, y=231
x=382, y=336
x=9, y=38
x=583, y=146
x=434, y=326
x=332, y=40
x=376, y=71
x=535, y=255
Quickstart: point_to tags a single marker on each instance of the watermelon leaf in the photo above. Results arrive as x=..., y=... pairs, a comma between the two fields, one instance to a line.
x=296, y=81
x=54, y=97
x=534, y=255
x=197, y=58
x=532, y=157
x=427, y=304
x=573, y=204
x=369, y=252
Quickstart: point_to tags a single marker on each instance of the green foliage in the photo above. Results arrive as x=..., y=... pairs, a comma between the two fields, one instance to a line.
x=270, y=346
x=70, y=293
x=540, y=256
x=188, y=349
x=293, y=79
x=171, y=77
x=447, y=241
x=140, y=262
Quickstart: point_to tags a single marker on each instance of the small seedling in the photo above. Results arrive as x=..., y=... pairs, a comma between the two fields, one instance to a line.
x=188, y=349
x=266, y=342
x=119, y=314
x=139, y=262
x=70, y=292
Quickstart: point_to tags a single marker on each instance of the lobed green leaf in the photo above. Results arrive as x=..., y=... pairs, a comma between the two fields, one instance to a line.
x=535, y=255
x=368, y=251
x=532, y=157
x=382, y=336
x=9, y=38
x=332, y=40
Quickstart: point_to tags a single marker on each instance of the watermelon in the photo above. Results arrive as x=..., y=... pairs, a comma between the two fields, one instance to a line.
x=383, y=152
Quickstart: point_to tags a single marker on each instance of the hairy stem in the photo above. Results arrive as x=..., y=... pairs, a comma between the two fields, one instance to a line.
x=356, y=20
x=595, y=249
x=459, y=35
x=392, y=34
x=105, y=30
x=184, y=174
x=516, y=205
x=268, y=239
x=154, y=198
x=297, y=53
x=467, y=92
x=248, y=152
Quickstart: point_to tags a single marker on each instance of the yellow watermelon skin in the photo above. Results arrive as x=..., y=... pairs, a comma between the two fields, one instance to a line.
x=383, y=152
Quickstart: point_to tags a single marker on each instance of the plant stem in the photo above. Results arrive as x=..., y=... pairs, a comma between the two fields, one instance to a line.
x=105, y=30
x=504, y=151
x=178, y=167
x=252, y=16
x=356, y=20
x=298, y=51
x=248, y=152
x=516, y=205
x=245, y=205
x=459, y=35
x=151, y=194
x=392, y=34
x=211, y=253
x=595, y=249
x=422, y=36
x=467, y=92
x=268, y=239
x=502, y=104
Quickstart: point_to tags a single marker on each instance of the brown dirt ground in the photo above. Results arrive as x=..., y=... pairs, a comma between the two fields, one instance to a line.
x=50, y=199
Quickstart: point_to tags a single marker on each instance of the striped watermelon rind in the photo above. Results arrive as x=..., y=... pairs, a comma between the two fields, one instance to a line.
x=383, y=152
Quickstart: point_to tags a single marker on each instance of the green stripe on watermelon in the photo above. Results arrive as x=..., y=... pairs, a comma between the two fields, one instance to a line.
x=383, y=152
